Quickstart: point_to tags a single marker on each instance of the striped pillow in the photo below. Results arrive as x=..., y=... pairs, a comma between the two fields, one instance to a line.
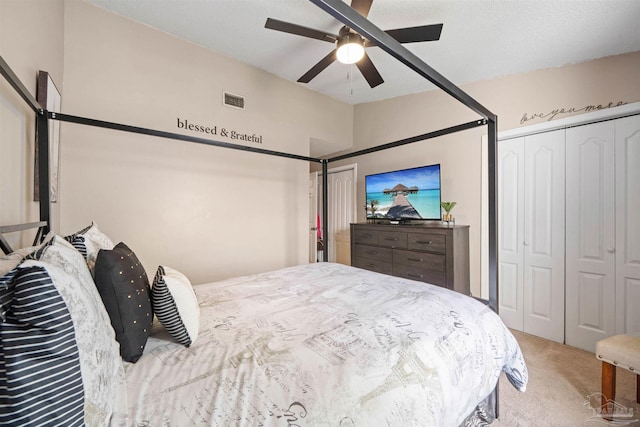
x=175, y=304
x=40, y=377
x=105, y=394
x=88, y=242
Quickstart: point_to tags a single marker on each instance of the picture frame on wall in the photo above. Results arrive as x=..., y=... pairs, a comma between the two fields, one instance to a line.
x=48, y=95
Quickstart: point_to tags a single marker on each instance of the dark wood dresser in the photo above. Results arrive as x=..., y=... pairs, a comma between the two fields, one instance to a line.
x=436, y=254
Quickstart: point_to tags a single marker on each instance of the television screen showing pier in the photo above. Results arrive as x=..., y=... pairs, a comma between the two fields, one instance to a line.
x=404, y=194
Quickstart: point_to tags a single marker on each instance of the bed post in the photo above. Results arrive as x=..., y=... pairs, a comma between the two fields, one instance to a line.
x=492, y=146
x=42, y=132
x=492, y=159
x=42, y=139
x=325, y=211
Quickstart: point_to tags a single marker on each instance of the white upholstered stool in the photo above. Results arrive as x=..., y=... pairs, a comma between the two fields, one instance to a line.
x=622, y=351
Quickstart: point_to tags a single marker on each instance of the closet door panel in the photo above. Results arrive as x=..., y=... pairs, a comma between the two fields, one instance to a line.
x=590, y=234
x=627, y=135
x=544, y=235
x=540, y=290
x=628, y=294
x=511, y=228
x=511, y=295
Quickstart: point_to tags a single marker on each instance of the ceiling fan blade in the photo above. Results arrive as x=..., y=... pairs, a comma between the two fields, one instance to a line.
x=299, y=30
x=316, y=69
x=369, y=71
x=361, y=6
x=424, y=33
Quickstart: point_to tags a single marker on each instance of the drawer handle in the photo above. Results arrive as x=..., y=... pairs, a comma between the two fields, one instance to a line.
x=371, y=252
x=371, y=265
x=393, y=239
x=366, y=236
x=415, y=276
x=415, y=259
x=422, y=242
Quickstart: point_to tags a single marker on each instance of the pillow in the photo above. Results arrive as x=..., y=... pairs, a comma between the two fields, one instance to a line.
x=10, y=261
x=41, y=381
x=175, y=304
x=100, y=362
x=88, y=242
x=126, y=294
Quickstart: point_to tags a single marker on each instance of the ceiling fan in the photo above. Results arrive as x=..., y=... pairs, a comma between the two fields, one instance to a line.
x=350, y=45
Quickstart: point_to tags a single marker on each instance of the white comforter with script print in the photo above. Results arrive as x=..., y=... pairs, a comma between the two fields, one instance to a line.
x=325, y=345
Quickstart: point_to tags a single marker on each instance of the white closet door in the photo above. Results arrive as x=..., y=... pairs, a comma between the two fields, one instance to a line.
x=511, y=231
x=544, y=214
x=627, y=224
x=590, y=226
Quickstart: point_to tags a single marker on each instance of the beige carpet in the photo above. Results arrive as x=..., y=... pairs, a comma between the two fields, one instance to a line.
x=560, y=380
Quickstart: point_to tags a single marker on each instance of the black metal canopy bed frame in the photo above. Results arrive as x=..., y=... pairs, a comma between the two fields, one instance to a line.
x=343, y=13
x=348, y=17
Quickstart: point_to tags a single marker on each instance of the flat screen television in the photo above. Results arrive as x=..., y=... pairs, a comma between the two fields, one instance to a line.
x=404, y=194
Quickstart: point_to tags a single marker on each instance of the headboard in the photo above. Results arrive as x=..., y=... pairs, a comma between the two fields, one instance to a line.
x=42, y=141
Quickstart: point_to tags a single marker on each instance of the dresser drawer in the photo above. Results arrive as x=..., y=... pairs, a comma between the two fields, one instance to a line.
x=392, y=239
x=426, y=242
x=434, y=262
x=371, y=264
x=374, y=252
x=430, y=253
x=438, y=278
x=365, y=236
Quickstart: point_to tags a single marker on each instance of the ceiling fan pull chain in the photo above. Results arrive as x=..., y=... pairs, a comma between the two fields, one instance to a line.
x=350, y=78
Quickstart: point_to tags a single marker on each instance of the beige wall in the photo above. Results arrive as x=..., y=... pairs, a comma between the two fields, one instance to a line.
x=613, y=79
x=212, y=212
x=31, y=39
x=207, y=211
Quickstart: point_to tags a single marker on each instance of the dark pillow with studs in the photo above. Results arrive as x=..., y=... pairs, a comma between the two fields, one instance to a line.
x=124, y=287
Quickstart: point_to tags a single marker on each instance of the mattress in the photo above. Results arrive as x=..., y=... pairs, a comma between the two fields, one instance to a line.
x=325, y=345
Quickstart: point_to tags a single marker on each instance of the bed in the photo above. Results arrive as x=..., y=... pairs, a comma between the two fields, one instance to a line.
x=326, y=344
x=311, y=345
x=319, y=344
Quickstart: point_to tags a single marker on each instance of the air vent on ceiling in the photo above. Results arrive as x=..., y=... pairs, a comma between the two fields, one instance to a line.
x=231, y=100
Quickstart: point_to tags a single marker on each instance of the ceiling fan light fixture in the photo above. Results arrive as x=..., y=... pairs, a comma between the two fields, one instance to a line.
x=350, y=48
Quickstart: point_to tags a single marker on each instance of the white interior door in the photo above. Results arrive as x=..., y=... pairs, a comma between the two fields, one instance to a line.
x=544, y=223
x=590, y=234
x=627, y=140
x=341, y=184
x=511, y=231
x=313, y=217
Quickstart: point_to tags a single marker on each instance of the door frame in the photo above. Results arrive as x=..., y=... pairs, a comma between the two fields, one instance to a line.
x=313, y=216
x=354, y=211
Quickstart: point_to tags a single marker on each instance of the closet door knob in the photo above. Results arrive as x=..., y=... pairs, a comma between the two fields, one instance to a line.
x=611, y=250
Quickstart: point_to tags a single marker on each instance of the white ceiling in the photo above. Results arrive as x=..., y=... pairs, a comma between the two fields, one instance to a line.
x=481, y=39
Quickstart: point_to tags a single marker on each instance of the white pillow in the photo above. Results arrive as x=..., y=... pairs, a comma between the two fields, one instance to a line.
x=10, y=261
x=175, y=304
x=89, y=241
x=100, y=362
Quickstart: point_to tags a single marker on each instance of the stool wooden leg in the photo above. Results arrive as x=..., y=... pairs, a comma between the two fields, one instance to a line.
x=608, y=385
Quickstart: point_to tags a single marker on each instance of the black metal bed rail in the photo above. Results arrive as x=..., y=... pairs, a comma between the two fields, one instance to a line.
x=411, y=140
x=4, y=229
x=42, y=140
x=343, y=13
x=170, y=135
x=15, y=82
